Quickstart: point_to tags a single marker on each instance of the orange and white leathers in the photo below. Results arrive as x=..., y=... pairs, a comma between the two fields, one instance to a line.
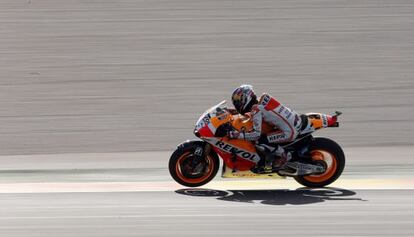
x=286, y=122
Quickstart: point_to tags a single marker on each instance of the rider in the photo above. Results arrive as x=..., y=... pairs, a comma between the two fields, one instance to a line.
x=285, y=122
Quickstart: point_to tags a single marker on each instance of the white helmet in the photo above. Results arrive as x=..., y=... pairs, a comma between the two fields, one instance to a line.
x=244, y=98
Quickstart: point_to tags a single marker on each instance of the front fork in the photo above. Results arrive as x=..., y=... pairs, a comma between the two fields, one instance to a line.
x=200, y=152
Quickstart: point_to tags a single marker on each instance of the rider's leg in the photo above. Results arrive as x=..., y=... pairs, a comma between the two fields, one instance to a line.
x=274, y=154
x=269, y=143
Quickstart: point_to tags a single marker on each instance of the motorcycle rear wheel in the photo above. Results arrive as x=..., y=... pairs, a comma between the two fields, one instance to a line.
x=183, y=169
x=331, y=155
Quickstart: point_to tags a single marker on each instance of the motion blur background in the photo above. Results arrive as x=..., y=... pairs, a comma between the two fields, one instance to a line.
x=95, y=95
x=110, y=76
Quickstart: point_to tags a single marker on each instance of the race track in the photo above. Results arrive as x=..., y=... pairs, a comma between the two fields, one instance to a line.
x=132, y=194
x=95, y=95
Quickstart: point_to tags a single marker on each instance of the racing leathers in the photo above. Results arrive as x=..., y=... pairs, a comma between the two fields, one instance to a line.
x=286, y=124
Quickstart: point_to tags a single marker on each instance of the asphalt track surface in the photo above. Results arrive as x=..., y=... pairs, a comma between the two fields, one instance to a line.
x=94, y=96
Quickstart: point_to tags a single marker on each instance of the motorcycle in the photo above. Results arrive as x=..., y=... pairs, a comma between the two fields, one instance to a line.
x=315, y=162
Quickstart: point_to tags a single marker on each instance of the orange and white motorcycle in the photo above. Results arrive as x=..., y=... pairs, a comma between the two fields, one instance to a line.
x=316, y=161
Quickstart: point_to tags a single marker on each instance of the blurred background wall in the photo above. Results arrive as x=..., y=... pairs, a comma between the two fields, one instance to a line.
x=134, y=75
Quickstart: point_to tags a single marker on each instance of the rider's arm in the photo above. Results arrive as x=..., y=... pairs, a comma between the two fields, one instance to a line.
x=254, y=135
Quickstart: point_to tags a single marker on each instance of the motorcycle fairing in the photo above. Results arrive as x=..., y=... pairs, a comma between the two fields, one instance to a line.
x=244, y=151
x=240, y=156
x=230, y=173
x=319, y=120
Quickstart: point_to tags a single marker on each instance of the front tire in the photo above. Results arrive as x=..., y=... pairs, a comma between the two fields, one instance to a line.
x=186, y=170
x=330, y=154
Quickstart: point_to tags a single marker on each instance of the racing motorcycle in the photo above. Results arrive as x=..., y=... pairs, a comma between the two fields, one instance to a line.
x=316, y=161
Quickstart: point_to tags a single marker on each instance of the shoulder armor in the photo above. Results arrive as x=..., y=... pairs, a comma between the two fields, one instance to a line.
x=264, y=99
x=268, y=102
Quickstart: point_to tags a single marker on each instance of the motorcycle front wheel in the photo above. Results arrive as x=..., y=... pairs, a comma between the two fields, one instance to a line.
x=190, y=170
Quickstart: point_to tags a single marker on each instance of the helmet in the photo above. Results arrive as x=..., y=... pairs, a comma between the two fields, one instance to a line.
x=244, y=98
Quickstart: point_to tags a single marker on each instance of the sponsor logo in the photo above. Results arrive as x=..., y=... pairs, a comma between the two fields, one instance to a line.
x=244, y=175
x=288, y=114
x=203, y=122
x=281, y=109
x=234, y=150
x=265, y=100
x=206, y=120
x=276, y=137
x=324, y=121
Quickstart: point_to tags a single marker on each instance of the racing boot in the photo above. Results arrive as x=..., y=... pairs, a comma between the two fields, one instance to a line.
x=282, y=160
x=269, y=153
x=259, y=168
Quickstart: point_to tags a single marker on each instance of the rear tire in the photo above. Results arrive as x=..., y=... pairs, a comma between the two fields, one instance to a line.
x=327, y=151
x=183, y=170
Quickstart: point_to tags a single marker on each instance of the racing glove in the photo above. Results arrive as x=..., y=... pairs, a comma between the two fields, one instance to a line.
x=234, y=134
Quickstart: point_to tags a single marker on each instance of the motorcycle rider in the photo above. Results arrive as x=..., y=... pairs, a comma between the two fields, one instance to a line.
x=286, y=124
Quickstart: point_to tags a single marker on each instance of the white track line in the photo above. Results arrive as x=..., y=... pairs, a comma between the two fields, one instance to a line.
x=172, y=186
